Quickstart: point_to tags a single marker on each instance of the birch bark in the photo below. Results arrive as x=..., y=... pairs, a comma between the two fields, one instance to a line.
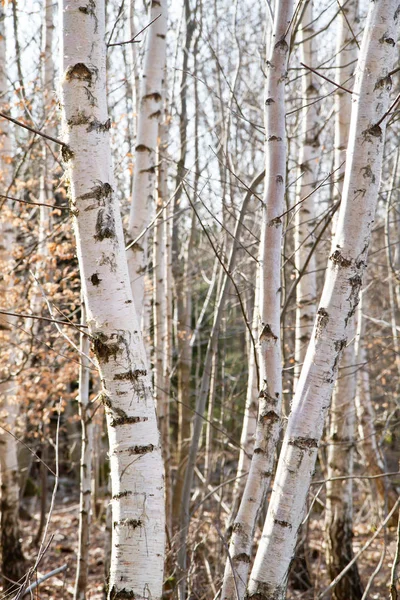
x=135, y=454
x=144, y=173
x=306, y=291
x=270, y=361
x=13, y=564
x=338, y=303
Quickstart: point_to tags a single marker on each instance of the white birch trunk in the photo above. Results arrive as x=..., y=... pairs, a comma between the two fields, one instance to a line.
x=13, y=564
x=338, y=303
x=306, y=290
x=270, y=361
x=144, y=174
x=346, y=54
x=135, y=454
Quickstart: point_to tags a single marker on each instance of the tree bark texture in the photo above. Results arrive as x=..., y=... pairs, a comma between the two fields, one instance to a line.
x=144, y=175
x=135, y=455
x=306, y=290
x=337, y=306
x=13, y=564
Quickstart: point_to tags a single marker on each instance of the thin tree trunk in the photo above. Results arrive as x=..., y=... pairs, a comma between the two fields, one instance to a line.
x=205, y=388
x=144, y=176
x=160, y=320
x=339, y=493
x=13, y=563
x=249, y=419
x=85, y=467
x=306, y=291
x=337, y=306
x=182, y=264
x=135, y=454
x=368, y=443
x=183, y=296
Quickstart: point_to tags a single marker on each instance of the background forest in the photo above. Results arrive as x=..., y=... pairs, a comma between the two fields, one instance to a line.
x=199, y=213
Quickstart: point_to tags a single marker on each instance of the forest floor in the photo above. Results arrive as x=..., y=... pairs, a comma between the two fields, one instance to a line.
x=62, y=551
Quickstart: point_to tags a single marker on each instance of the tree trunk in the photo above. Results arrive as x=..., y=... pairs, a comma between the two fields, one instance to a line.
x=85, y=467
x=306, y=291
x=337, y=306
x=182, y=264
x=249, y=419
x=13, y=564
x=339, y=493
x=270, y=395
x=144, y=175
x=135, y=454
x=160, y=321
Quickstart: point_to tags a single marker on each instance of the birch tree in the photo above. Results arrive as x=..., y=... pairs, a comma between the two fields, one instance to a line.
x=270, y=395
x=338, y=303
x=144, y=175
x=306, y=291
x=13, y=564
x=135, y=454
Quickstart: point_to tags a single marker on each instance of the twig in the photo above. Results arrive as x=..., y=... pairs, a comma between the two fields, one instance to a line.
x=303, y=270
x=26, y=316
x=308, y=195
x=326, y=78
x=44, y=135
x=63, y=206
x=53, y=496
x=134, y=40
x=348, y=23
x=388, y=111
x=56, y=323
x=43, y=548
x=27, y=447
x=344, y=477
x=150, y=225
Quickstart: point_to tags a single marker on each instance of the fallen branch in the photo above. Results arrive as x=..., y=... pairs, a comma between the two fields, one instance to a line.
x=44, y=578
